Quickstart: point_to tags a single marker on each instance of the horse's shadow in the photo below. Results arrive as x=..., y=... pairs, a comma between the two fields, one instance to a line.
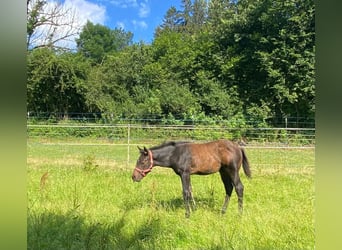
x=50, y=230
x=178, y=203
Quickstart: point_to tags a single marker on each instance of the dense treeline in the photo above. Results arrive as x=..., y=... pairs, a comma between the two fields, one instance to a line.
x=219, y=60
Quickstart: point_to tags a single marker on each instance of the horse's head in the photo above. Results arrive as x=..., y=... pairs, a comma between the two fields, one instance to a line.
x=144, y=164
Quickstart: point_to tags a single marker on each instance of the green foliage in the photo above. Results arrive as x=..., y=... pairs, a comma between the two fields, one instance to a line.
x=110, y=86
x=196, y=127
x=55, y=83
x=273, y=42
x=226, y=60
x=96, y=41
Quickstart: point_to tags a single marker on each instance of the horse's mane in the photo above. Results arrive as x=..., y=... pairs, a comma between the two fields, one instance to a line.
x=169, y=143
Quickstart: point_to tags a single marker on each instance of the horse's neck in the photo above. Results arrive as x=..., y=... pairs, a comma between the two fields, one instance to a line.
x=161, y=156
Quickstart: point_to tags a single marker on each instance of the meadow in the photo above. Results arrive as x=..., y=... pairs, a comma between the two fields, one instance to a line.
x=81, y=196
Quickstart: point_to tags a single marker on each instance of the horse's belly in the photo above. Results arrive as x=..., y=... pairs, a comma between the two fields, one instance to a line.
x=204, y=168
x=202, y=172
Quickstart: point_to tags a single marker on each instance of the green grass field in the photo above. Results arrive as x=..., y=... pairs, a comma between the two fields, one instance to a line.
x=82, y=197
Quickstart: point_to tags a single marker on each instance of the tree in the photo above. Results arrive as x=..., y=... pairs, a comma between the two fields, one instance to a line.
x=55, y=83
x=290, y=62
x=105, y=95
x=96, y=41
x=171, y=22
x=188, y=20
x=219, y=12
x=230, y=60
x=199, y=15
x=268, y=47
x=111, y=85
x=186, y=13
x=50, y=24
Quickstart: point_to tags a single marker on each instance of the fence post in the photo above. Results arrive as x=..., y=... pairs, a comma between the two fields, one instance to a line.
x=128, y=142
x=285, y=121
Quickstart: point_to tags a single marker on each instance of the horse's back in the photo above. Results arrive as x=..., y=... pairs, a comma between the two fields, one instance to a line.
x=229, y=151
x=208, y=157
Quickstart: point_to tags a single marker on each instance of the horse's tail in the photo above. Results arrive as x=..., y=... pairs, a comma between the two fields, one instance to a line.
x=245, y=164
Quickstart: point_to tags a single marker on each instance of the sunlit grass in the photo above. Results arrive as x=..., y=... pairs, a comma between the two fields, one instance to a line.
x=88, y=202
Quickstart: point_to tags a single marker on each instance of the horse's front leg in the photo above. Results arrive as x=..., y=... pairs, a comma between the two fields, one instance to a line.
x=193, y=203
x=186, y=192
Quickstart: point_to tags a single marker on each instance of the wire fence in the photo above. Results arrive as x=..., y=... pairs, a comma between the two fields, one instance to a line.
x=267, y=147
x=105, y=118
x=133, y=133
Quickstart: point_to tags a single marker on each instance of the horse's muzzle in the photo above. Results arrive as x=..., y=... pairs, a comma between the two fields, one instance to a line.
x=135, y=178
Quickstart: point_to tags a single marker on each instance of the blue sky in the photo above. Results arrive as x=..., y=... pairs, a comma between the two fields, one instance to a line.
x=140, y=17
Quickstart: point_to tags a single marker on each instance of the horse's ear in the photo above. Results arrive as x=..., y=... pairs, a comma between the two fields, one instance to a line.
x=140, y=150
x=143, y=151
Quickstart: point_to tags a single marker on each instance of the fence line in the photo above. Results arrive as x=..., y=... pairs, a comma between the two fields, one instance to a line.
x=180, y=127
x=259, y=141
x=139, y=144
x=128, y=133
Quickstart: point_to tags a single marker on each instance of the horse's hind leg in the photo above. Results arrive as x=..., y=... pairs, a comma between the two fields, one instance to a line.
x=239, y=190
x=228, y=185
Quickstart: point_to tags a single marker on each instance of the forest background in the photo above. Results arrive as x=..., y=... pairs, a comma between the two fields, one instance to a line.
x=209, y=60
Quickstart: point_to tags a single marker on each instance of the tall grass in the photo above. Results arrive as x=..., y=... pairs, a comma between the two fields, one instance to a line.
x=80, y=198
